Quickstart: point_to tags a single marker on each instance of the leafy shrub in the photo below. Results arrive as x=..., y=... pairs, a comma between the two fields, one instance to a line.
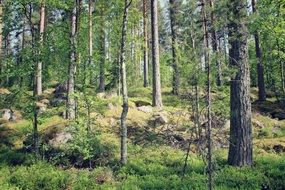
x=273, y=167
x=40, y=176
x=239, y=178
x=14, y=157
x=85, y=148
x=99, y=178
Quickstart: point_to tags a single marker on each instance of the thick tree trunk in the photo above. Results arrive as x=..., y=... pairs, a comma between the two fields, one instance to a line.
x=260, y=69
x=156, y=92
x=215, y=45
x=145, y=51
x=173, y=26
x=102, y=55
x=39, y=88
x=72, y=65
x=240, y=151
x=209, y=118
x=124, y=85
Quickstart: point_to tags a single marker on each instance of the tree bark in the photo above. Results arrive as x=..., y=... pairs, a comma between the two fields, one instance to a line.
x=72, y=64
x=260, y=68
x=145, y=51
x=1, y=36
x=102, y=54
x=215, y=44
x=156, y=92
x=39, y=88
x=124, y=85
x=209, y=118
x=90, y=20
x=240, y=151
x=173, y=26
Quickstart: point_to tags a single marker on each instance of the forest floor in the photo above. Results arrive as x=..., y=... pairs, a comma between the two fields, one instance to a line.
x=158, y=141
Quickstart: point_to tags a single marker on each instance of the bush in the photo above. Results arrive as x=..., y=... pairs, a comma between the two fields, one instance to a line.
x=40, y=176
x=14, y=157
x=273, y=167
x=239, y=178
x=100, y=178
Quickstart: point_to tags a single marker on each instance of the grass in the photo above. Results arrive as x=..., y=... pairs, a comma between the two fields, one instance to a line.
x=151, y=163
x=148, y=168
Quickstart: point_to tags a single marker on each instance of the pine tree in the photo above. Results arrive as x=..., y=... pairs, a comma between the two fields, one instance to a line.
x=240, y=151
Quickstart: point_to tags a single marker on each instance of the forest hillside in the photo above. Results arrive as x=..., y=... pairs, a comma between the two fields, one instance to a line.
x=142, y=94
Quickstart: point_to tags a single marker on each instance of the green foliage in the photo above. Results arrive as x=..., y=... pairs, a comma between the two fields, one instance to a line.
x=273, y=168
x=38, y=176
x=86, y=150
x=239, y=178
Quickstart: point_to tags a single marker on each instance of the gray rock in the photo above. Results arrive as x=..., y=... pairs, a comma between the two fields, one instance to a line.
x=160, y=119
x=146, y=109
x=61, y=90
x=6, y=114
x=110, y=106
x=60, y=139
x=140, y=103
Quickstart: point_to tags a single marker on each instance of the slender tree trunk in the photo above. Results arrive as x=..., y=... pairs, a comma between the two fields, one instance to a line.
x=215, y=45
x=209, y=122
x=196, y=90
x=124, y=85
x=173, y=25
x=156, y=92
x=1, y=36
x=23, y=42
x=35, y=130
x=240, y=151
x=33, y=40
x=260, y=68
x=90, y=19
x=145, y=51
x=72, y=64
x=39, y=88
x=282, y=75
x=102, y=54
x=7, y=54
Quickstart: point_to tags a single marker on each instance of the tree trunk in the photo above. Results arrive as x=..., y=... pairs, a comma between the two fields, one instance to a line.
x=102, y=54
x=209, y=118
x=282, y=75
x=215, y=45
x=72, y=64
x=124, y=85
x=145, y=51
x=260, y=69
x=39, y=88
x=90, y=18
x=156, y=92
x=1, y=36
x=173, y=26
x=240, y=151
x=35, y=131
